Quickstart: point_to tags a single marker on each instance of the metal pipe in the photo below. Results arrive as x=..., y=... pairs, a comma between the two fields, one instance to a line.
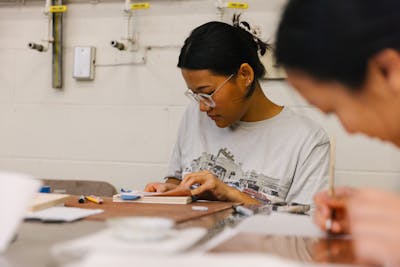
x=37, y=47
x=57, y=60
x=118, y=45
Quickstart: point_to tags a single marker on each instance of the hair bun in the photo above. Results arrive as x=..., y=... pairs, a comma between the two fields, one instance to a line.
x=244, y=25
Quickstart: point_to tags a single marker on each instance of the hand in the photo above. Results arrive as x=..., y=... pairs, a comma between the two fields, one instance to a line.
x=333, y=250
x=374, y=220
x=159, y=187
x=210, y=187
x=333, y=208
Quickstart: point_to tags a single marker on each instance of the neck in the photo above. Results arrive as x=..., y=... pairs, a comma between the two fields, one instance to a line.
x=260, y=107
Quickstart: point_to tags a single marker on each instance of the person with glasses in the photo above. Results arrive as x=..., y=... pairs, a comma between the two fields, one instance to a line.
x=343, y=56
x=235, y=144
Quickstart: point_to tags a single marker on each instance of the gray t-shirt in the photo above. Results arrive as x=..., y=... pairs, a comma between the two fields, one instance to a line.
x=284, y=158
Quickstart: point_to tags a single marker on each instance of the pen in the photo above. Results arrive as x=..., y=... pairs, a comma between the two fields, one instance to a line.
x=332, y=157
x=94, y=199
x=243, y=210
x=331, y=189
x=81, y=199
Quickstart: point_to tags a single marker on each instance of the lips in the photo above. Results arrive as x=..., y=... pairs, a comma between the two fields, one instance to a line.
x=213, y=117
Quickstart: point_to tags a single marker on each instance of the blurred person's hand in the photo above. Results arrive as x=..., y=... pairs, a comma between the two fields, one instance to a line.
x=333, y=250
x=374, y=217
x=333, y=210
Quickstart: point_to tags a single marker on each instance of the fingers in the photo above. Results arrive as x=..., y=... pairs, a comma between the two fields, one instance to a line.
x=320, y=217
x=199, y=190
x=374, y=219
x=200, y=179
x=331, y=225
x=150, y=188
x=208, y=185
x=159, y=187
x=327, y=222
x=331, y=214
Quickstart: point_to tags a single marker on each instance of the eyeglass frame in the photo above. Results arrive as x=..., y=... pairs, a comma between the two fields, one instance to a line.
x=200, y=97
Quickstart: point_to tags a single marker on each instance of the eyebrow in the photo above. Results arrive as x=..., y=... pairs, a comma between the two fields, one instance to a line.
x=201, y=89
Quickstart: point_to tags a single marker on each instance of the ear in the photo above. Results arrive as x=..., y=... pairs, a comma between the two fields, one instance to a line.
x=245, y=75
x=388, y=63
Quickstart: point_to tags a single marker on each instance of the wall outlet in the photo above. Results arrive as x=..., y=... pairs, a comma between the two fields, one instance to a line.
x=84, y=60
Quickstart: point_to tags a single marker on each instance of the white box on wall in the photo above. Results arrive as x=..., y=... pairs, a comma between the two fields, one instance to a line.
x=84, y=60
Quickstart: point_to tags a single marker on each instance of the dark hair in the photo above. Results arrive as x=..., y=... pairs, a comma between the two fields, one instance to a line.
x=222, y=49
x=334, y=39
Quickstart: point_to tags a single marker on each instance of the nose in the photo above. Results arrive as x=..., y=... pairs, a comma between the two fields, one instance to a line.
x=203, y=107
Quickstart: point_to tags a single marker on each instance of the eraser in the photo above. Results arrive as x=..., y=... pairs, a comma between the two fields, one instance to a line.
x=199, y=208
x=129, y=197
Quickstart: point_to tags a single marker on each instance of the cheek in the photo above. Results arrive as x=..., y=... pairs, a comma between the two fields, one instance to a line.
x=348, y=123
x=353, y=118
x=230, y=106
x=318, y=99
x=361, y=121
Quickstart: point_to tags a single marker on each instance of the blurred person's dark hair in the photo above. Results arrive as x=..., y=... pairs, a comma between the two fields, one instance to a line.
x=334, y=39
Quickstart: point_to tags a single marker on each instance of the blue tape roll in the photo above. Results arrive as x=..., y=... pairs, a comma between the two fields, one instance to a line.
x=45, y=189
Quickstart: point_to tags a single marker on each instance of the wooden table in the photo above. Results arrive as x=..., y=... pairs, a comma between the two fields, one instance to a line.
x=35, y=239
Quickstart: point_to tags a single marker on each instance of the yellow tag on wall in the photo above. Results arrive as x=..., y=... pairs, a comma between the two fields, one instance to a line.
x=140, y=6
x=238, y=5
x=57, y=9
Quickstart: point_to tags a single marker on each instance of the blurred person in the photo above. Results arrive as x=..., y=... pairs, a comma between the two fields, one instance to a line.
x=343, y=56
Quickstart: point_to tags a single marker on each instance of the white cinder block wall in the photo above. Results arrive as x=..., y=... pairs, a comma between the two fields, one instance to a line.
x=121, y=126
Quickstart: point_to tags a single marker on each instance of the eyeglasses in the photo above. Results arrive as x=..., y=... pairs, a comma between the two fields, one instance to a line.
x=205, y=98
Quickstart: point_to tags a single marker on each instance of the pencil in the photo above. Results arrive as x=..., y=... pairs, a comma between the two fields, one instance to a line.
x=332, y=158
x=94, y=199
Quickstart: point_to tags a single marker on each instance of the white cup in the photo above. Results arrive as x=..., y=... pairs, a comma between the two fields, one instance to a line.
x=16, y=193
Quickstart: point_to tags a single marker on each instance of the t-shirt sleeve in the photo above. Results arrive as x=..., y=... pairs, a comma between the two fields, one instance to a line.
x=311, y=174
x=175, y=161
x=174, y=166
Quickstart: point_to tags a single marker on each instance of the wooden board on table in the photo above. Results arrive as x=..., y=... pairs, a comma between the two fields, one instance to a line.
x=178, y=213
x=47, y=200
x=156, y=199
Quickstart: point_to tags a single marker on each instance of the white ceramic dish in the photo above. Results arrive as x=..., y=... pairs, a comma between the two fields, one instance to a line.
x=141, y=228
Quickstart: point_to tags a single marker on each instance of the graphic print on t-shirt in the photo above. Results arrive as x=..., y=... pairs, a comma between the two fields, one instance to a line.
x=223, y=165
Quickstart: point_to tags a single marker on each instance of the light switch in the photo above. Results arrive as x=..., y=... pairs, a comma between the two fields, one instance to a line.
x=84, y=60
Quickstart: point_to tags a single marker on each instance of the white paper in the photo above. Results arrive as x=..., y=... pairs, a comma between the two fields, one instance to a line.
x=192, y=260
x=16, y=192
x=63, y=214
x=279, y=223
x=226, y=234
